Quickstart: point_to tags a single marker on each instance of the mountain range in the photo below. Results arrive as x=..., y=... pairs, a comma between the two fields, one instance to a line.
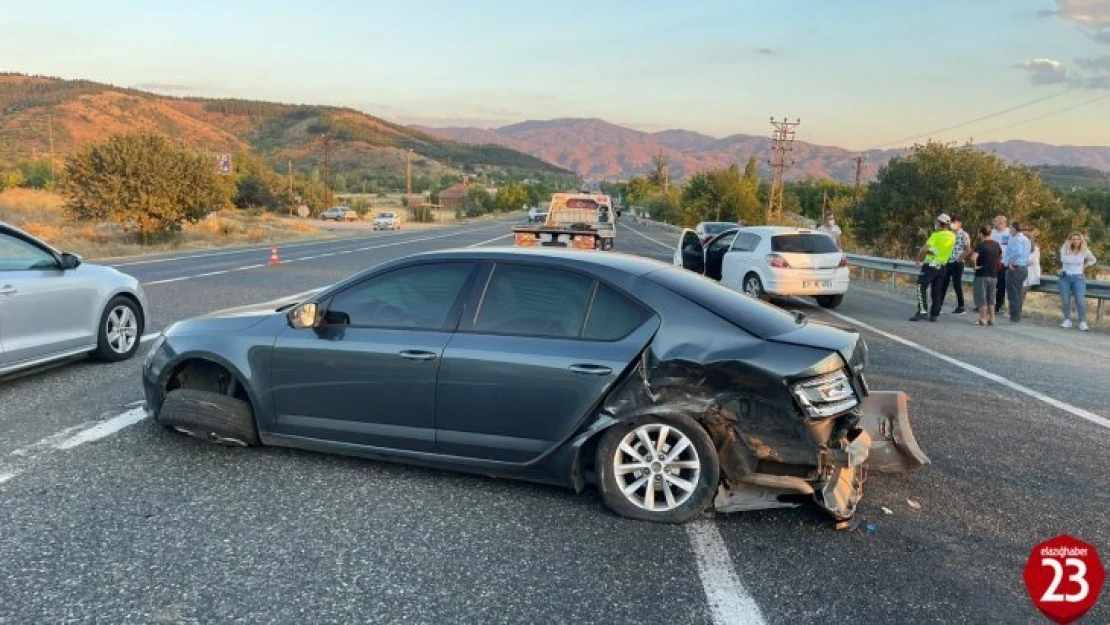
x=596, y=149
x=39, y=115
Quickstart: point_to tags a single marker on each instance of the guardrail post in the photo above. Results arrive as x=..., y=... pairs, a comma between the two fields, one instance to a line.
x=1099, y=310
x=893, y=279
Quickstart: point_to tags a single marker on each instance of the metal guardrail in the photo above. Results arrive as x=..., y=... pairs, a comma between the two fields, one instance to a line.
x=1096, y=289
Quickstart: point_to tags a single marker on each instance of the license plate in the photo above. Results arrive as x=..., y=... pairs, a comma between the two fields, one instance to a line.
x=818, y=284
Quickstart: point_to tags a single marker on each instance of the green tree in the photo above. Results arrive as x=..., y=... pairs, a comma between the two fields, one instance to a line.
x=659, y=176
x=477, y=202
x=901, y=206
x=36, y=173
x=638, y=191
x=511, y=197
x=256, y=185
x=720, y=195
x=143, y=182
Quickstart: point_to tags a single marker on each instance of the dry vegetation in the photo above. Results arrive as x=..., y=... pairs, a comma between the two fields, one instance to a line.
x=41, y=213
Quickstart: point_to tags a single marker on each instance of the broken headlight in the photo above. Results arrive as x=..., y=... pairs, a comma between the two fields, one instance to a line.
x=826, y=395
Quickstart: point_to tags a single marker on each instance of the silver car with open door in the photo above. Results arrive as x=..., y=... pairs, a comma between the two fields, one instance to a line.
x=54, y=307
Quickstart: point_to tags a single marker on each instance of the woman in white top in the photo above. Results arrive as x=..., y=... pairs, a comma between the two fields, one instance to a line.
x=1075, y=258
x=1034, y=277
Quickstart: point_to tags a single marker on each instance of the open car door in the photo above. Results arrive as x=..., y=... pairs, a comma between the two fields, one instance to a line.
x=690, y=253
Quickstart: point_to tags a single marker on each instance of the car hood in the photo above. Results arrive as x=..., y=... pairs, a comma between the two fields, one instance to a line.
x=232, y=320
x=844, y=341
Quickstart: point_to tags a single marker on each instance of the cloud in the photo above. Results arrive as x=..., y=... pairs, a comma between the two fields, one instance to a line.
x=767, y=51
x=1089, y=13
x=1098, y=82
x=1101, y=64
x=1045, y=71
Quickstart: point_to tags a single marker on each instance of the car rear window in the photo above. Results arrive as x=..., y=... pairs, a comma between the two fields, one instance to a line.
x=803, y=244
x=718, y=228
x=756, y=316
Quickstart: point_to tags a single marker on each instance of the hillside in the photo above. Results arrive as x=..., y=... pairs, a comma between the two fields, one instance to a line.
x=79, y=111
x=597, y=149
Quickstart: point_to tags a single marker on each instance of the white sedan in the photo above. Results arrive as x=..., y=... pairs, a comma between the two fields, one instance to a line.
x=764, y=261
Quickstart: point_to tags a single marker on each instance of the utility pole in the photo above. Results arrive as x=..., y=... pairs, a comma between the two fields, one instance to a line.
x=290, y=178
x=50, y=130
x=859, y=175
x=327, y=171
x=782, y=142
x=408, y=179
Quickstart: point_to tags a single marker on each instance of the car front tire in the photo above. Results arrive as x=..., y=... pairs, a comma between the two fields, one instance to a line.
x=120, y=330
x=209, y=416
x=663, y=470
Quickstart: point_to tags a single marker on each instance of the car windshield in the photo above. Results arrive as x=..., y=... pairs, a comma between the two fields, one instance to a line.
x=804, y=244
x=756, y=316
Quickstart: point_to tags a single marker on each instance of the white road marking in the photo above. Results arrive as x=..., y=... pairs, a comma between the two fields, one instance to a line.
x=729, y=601
x=286, y=262
x=245, y=250
x=993, y=377
x=504, y=236
x=104, y=429
x=4, y=477
x=656, y=241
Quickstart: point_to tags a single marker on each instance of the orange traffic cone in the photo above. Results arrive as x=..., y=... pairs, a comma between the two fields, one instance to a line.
x=274, y=260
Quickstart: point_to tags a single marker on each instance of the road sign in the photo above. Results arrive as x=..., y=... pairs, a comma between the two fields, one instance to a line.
x=1064, y=577
x=225, y=164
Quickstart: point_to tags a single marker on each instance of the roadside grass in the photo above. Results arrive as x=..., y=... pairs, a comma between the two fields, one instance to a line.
x=41, y=214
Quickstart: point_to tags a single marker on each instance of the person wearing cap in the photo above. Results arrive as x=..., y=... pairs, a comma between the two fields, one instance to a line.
x=933, y=260
x=1016, y=261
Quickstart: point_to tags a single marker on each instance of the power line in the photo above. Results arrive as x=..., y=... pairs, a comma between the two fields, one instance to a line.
x=1043, y=116
x=976, y=120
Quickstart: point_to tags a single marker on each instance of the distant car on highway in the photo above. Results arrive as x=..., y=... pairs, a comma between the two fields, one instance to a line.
x=386, y=221
x=54, y=307
x=536, y=215
x=666, y=390
x=709, y=229
x=339, y=213
x=763, y=261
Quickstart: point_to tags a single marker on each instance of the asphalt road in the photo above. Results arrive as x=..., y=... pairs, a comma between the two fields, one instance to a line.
x=143, y=526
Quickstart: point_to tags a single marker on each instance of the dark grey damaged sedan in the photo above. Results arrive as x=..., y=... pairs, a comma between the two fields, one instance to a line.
x=666, y=390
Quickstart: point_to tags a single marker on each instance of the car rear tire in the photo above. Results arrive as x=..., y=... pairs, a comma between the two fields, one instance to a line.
x=753, y=286
x=663, y=470
x=829, y=301
x=120, y=330
x=209, y=416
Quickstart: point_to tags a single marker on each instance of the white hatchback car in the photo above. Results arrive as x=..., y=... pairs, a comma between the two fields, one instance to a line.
x=387, y=221
x=763, y=261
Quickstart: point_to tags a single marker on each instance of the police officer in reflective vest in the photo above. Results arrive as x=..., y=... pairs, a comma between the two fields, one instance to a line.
x=932, y=260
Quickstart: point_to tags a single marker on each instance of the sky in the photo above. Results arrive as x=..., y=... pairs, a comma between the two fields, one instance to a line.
x=860, y=74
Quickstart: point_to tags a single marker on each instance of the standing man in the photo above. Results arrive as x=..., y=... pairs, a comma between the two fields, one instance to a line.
x=1016, y=260
x=830, y=228
x=1001, y=236
x=932, y=260
x=954, y=271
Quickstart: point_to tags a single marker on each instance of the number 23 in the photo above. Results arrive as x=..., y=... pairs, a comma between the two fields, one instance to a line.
x=1080, y=577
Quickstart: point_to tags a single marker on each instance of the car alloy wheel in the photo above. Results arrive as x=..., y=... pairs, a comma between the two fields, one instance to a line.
x=656, y=467
x=122, y=329
x=753, y=286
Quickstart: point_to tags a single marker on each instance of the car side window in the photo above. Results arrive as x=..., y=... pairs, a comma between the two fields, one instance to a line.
x=722, y=244
x=19, y=255
x=612, y=316
x=753, y=244
x=742, y=242
x=420, y=297
x=691, y=243
x=534, y=301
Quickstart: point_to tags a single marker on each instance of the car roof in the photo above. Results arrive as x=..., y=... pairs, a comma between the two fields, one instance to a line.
x=585, y=259
x=773, y=230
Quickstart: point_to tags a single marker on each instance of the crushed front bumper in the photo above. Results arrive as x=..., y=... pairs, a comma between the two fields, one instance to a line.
x=882, y=441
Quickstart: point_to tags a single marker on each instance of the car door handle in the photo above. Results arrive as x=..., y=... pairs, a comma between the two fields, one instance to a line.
x=7, y=289
x=591, y=369
x=416, y=354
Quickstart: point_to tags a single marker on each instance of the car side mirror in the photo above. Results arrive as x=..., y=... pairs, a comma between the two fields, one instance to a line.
x=303, y=316
x=69, y=262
